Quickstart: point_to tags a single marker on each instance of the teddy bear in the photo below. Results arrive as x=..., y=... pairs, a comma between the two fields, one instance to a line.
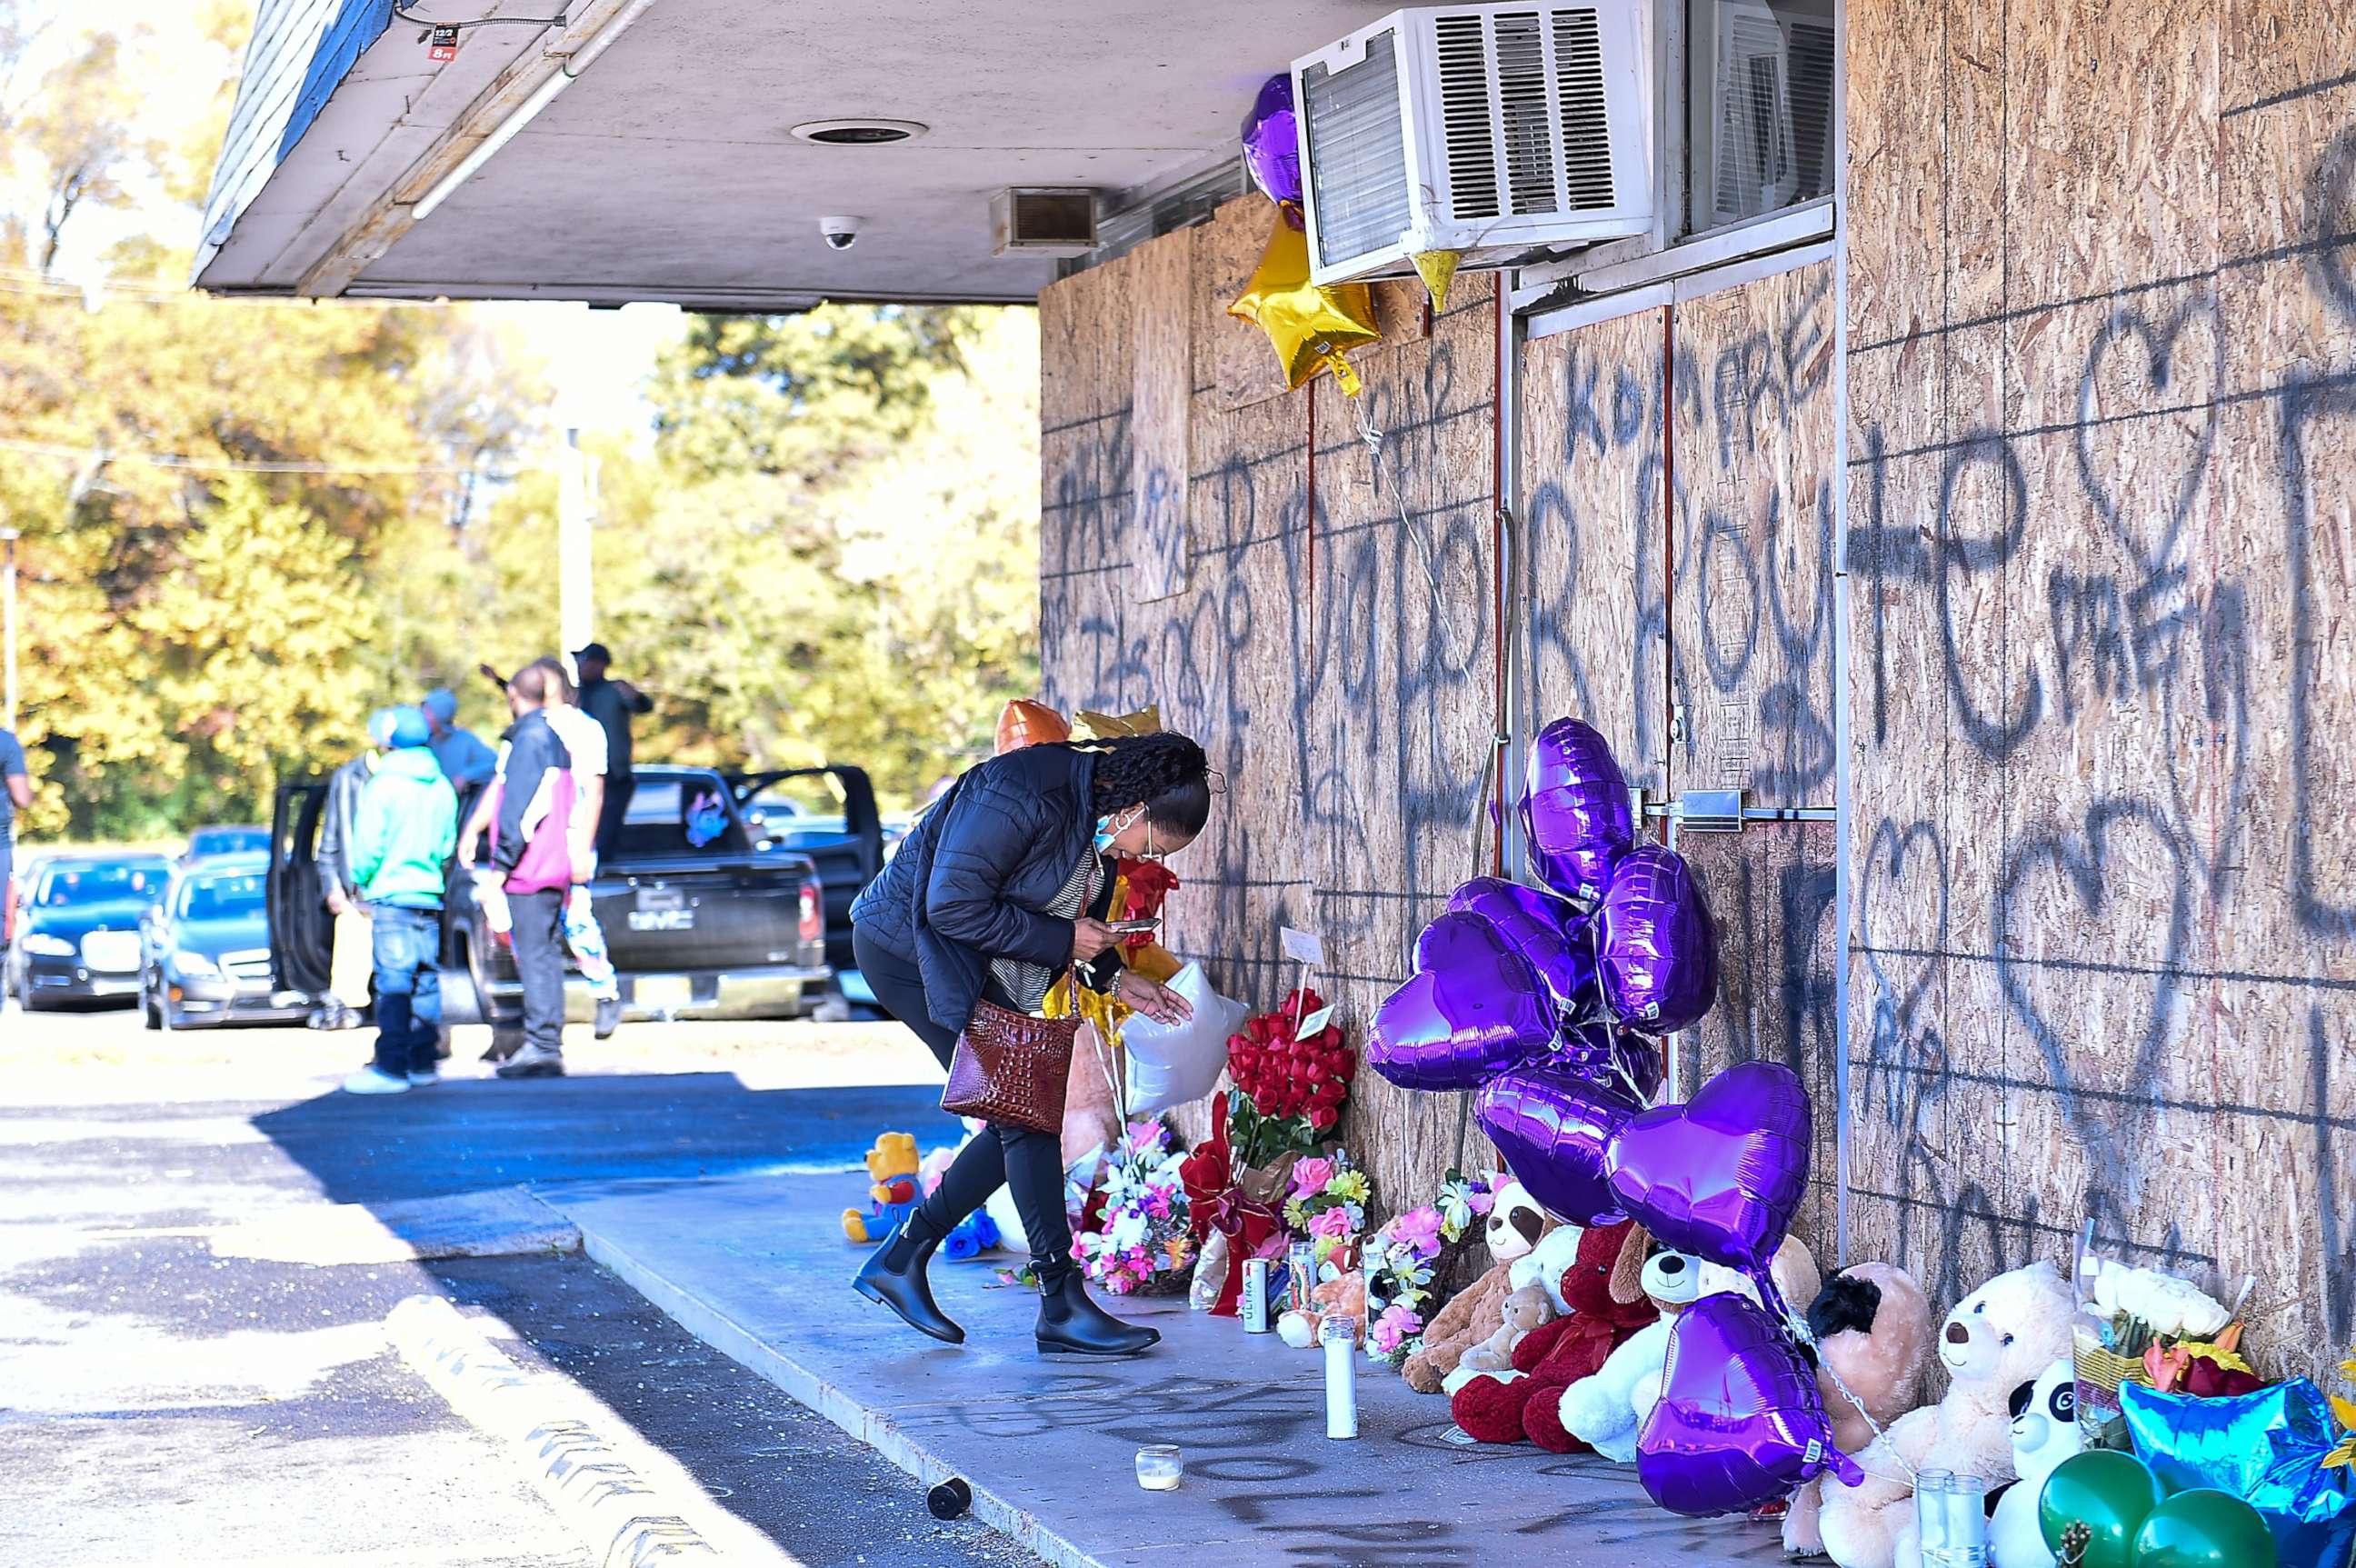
x=2044, y=1433
x=2000, y=1336
x=1872, y=1329
x=1607, y=1412
x=1344, y=1295
x=1523, y=1310
x=1556, y=1355
x=1515, y=1225
x=892, y=1166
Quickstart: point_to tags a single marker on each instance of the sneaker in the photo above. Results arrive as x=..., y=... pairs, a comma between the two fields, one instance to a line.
x=368, y=1080
x=533, y=1061
x=609, y=1016
x=425, y=1079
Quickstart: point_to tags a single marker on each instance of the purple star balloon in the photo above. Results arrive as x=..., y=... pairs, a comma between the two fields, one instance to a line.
x=1271, y=141
x=1739, y=1421
x=1575, y=809
x=1656, y=946
x=1473, y=1008
x=1553, y=1130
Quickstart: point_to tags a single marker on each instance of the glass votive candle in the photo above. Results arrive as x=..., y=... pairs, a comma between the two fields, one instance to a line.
x=1931, y=1513
x=1159, y=1467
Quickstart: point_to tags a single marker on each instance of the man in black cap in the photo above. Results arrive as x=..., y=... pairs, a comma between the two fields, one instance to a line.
x=612, y=704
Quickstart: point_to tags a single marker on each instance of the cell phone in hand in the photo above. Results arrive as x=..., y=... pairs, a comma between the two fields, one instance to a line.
x=1131, y=927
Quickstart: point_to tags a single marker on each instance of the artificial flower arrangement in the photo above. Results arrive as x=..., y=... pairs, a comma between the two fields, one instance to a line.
x=1139, y=1241
x=2149, y=1327
x=1407, y=1263
x=1289, y=1091
x=1328, y=1203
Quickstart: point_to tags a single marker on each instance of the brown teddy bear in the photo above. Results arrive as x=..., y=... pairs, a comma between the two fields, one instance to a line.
x=2001, y=1336
x=1872, y=1327
x=1515, y=1225
x=1524, y=1309
x=1560, y=1354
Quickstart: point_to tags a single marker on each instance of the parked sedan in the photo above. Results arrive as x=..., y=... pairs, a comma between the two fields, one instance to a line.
x=77, y=936
x=205, y=951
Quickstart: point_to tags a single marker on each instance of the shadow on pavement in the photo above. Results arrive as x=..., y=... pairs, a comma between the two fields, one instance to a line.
x=466, y=1135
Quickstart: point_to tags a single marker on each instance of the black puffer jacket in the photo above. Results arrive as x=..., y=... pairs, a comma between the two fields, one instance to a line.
x=968, y=884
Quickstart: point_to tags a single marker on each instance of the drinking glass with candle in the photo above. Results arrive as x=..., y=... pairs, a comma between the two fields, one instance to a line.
x=1930, y=1515
x=1159, y=1467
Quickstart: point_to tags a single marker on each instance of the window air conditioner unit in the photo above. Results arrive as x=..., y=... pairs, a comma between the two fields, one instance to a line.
x=1770, y=118
x=1493, y=130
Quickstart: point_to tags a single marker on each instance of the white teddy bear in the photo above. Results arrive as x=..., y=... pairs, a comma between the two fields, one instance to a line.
x=1607, y=1411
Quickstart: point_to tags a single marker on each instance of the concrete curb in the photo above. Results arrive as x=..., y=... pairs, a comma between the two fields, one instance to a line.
x=629, y=1502
x=830, y=1400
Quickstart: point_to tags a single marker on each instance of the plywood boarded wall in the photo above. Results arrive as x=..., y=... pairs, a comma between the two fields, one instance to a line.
x=2102, y=347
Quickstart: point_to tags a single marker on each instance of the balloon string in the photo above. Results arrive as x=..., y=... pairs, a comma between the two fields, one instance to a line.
x=1772, y=1299
x=1373, y=436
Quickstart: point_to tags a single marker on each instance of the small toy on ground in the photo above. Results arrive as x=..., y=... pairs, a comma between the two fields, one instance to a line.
x=892, y=1166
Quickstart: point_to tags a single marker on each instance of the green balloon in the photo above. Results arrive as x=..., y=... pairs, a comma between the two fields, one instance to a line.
x=2203, y=1528
x=2110, y=1493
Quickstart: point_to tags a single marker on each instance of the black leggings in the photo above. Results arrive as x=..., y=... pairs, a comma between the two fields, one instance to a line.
x=1030, y=1163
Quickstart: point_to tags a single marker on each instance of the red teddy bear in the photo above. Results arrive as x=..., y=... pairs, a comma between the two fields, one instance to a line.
x=1556, y=1355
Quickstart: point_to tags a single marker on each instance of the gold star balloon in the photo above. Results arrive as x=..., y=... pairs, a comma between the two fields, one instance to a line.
x=1309, y=327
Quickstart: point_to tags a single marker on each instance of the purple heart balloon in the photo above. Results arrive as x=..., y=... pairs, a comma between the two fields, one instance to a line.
x=1740, y=1421
x=1473, y=1008
x=1553, y=1130
x=1620, y=1059
x=1548, y=930
x=1656, y=946
x=1575, y=809
x=1271, y=141
x=1721, y=1175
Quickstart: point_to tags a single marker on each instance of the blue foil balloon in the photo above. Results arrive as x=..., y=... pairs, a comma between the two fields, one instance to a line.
x=2265, y=1448
x=1473, y=1009
x=1548, y=930
x=1656, y=944
x=1575, y=809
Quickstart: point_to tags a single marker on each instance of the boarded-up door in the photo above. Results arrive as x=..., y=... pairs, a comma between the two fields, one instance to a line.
x=1677, y=481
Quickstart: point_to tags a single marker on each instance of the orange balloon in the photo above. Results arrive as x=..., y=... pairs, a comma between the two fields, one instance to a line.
x=1026, y=723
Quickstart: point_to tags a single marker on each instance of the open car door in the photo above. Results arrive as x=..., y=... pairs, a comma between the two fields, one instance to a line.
x=302, y=932
x=843, y=836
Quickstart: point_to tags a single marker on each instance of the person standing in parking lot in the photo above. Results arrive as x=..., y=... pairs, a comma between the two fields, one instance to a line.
x=529, y=824
x=402, y=838
x=584, y=743
x=14, y=796
x=465, y=761
x=613, y=703
x=348, y=958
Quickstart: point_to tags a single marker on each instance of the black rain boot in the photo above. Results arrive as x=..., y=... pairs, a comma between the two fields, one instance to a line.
x=895, y=1275
x=1070, y=1324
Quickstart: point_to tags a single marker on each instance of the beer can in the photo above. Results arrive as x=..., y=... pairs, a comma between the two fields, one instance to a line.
x=1254, y=1301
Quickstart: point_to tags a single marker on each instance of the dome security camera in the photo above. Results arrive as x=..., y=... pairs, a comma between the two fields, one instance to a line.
x=840, y=234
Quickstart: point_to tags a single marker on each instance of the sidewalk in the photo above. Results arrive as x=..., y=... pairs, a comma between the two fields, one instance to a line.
x=757, y=1267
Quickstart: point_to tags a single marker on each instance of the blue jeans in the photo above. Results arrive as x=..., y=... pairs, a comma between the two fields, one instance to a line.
x=407, y=947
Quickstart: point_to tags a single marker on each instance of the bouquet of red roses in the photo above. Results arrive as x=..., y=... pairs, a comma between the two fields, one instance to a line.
x=1291, y=1086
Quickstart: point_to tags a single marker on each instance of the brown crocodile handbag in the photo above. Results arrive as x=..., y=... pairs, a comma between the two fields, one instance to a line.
x=1012, y=1067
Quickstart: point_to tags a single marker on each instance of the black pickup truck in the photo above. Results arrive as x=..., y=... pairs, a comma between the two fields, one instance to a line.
x=701, y=921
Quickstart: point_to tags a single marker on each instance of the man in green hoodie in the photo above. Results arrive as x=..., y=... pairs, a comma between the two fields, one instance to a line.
x=406, y=828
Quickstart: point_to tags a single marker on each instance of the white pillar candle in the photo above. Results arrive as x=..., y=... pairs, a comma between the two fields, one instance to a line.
x=1339, y=1337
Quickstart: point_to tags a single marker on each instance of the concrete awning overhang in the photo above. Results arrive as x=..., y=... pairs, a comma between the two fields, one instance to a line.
x=667, y=169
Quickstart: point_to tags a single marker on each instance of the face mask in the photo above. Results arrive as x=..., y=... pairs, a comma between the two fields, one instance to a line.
x=1107, y=831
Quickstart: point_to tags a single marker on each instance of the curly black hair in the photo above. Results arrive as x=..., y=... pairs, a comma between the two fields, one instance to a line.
x=1164, y=772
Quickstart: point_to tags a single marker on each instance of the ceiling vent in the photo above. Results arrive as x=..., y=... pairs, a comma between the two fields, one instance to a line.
x=1493, y=130
x=1059, y=220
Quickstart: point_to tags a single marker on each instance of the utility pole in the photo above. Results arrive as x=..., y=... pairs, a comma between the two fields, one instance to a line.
x=576, y=517
x=8, y=600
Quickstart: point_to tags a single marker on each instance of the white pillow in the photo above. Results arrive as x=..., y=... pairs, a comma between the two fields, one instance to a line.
x=1171, y=1064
